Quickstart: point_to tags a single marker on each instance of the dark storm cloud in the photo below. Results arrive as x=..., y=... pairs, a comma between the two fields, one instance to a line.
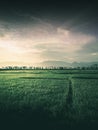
x=59, y=11
x=75, y=15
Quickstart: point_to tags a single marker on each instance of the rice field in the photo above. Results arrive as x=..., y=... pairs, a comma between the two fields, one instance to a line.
x=48, y=99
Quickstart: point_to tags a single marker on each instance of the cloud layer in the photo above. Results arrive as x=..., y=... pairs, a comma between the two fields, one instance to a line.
x=33, y=43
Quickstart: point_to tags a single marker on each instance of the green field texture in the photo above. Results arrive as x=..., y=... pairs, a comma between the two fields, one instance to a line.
x=68, y=96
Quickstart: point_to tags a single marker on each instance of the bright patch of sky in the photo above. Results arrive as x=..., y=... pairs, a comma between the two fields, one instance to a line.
x=44, y=41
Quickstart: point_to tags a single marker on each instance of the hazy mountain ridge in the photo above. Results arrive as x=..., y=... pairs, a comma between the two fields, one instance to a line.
x=67, y=64
x=50, y=64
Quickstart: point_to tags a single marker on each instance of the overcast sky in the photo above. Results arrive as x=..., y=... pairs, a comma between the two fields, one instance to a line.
x=33, y=32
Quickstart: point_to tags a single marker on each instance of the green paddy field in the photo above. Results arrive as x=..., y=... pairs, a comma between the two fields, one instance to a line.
x=48, y=99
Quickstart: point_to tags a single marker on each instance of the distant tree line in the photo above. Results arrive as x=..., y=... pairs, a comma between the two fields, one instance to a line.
x=92, y=67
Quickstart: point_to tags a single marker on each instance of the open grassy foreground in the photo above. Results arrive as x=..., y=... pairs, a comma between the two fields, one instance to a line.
x=48, y=99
